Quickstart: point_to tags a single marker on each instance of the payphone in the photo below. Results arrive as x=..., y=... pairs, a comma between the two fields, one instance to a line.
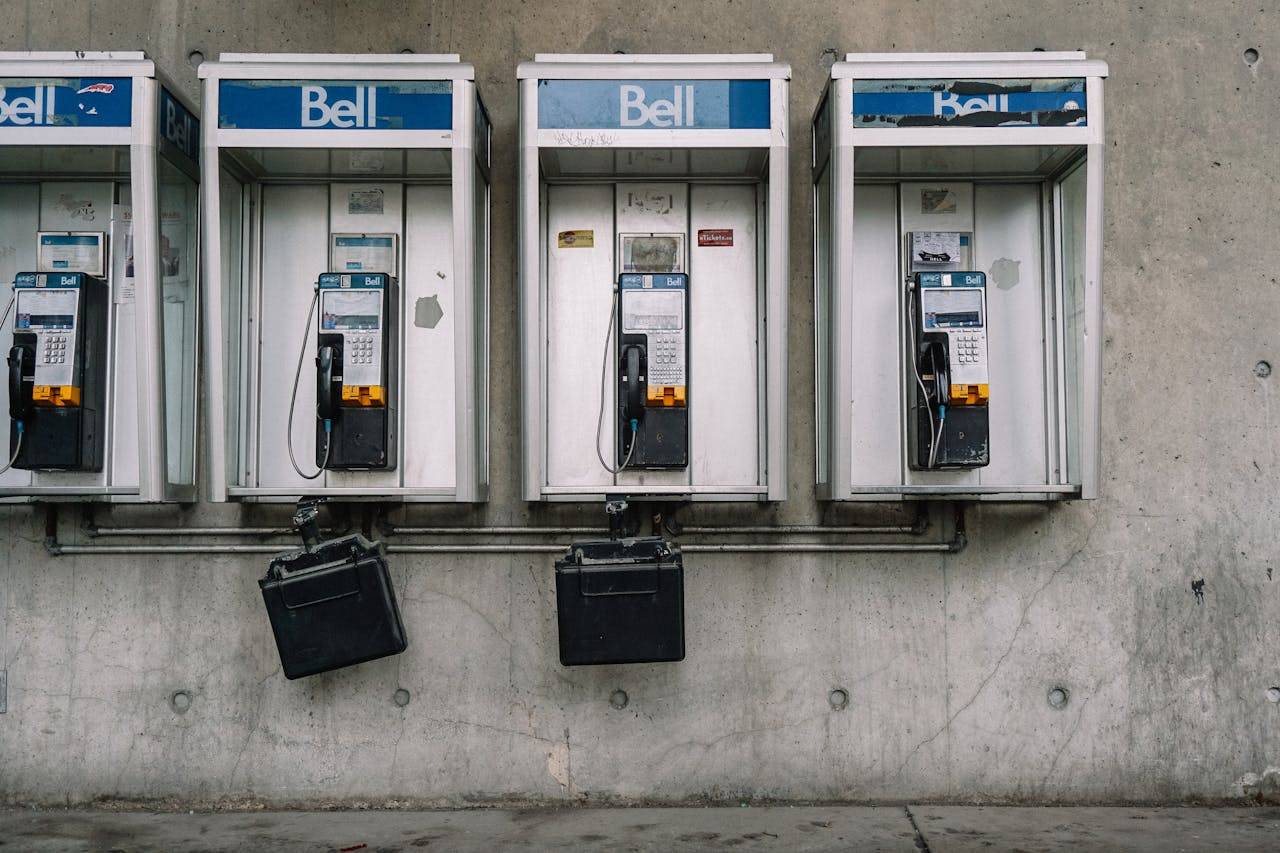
x=99, y=226
x=958, y=240
x=376, y=230
x=355, y=412
x=57, y=371
x=949, y=362
x=653, y=385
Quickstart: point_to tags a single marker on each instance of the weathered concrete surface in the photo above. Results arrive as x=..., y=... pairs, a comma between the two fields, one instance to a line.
x=949, y=829
x=948, y=660
x=823, y=829
x=804, y=830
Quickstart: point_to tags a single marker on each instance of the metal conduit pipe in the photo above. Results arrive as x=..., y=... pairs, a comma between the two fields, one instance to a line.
x=397, y=530
x=94, y=530
x=58, y=549
x=746, y=530
x=917, y=526
x=789, y=529
x=957, y=543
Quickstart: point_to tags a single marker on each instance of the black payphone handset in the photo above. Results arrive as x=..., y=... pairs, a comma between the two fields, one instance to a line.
x=57, y=371
x=949, y=364
x=354, y=368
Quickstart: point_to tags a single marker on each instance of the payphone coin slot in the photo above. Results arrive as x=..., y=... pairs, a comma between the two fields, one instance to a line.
x=55, y=395
x=363, y=395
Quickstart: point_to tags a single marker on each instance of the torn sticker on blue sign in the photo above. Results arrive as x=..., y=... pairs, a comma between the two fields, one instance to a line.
x=1055, y=102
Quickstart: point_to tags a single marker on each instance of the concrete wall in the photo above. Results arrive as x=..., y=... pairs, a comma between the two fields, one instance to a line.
x=947, y=660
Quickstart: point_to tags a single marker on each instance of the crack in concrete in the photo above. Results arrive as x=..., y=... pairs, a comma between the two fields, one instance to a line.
x=705, y=745
x=1013, y=640
x=1053, y=765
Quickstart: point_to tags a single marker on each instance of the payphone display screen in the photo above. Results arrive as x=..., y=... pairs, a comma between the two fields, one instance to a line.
x=351, y=310
x=646, y=311
x=944, y=309
x=46, y=309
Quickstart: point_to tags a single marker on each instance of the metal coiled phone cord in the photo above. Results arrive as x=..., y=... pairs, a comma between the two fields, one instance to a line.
x=17, y=448
x=934, y=437
x=604, y=383
x=293, y=400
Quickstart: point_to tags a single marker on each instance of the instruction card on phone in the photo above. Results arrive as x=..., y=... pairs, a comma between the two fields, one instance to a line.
x=364, y=253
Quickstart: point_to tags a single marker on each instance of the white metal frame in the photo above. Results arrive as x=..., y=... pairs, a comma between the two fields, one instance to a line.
x=471, y=306
x=845, y=139
x=142, y=139
x=775, y=249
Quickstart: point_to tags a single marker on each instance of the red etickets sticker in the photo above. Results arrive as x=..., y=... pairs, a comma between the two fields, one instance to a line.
x=715, y=236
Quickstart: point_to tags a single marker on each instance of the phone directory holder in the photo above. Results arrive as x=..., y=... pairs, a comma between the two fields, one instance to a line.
x=331, y=604
x=620, y=600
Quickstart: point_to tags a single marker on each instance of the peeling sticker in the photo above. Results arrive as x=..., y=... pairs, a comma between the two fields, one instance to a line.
x=427, y=312
x=1006, y=273
x=368, y=202
x=76, y=208
x=650, y=201
x=940, y=200
x=1198, y=588
x=582, y=238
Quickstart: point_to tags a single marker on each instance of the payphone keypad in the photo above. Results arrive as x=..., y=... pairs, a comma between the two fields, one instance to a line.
x=361, y=348
x=55, y=349
x=666, y=365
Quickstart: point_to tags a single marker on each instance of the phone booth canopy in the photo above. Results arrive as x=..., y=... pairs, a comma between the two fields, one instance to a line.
x=347, y=250
x=98, y=205
x=653, y=276
x=988, y=165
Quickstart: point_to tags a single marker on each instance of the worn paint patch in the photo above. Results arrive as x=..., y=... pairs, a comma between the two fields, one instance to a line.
x=427, y=312
x=1006, y=273
x=558, y=764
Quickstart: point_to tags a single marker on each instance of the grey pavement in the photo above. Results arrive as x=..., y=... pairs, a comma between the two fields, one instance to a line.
x=893, y=829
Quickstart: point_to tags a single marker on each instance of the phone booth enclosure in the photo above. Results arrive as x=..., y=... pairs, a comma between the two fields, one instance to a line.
x=1005, y=150
x=103, y=147
x=311, y=155
x=689, y=152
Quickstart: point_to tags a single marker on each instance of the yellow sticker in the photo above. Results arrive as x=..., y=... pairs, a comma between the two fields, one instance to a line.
x=582, y=239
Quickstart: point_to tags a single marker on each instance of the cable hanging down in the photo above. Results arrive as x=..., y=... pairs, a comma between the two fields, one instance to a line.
x=604, y=391
x=293, y=402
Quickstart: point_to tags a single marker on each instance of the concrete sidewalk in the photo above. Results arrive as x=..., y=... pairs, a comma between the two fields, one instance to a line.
x=894, y=829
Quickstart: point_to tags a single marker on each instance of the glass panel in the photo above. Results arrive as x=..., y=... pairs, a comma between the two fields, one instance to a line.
x=49, y=160
x=972, y=161
x=1072, y=229
x=179, y=200
x=371, y=163
x=654, y=162
x=822, y=319
x=231, y=229
x=481, y=242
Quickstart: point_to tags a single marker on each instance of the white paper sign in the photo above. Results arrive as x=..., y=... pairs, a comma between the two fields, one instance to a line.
x=71, y=251
x=364, y=253
x=935, y=247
